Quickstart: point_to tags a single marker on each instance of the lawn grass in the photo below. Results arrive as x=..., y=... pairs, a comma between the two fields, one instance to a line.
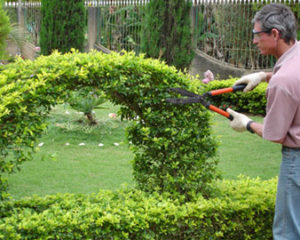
x=62, y=165
x=58, y=167
x=245, y=153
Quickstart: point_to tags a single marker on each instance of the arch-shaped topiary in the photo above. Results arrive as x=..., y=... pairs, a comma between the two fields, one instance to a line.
x=173, y=147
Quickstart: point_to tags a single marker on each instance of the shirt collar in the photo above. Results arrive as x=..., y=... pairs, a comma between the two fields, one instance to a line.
x=288, y=54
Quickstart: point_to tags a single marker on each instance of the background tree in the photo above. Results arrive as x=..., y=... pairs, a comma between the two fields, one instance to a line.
x=166, y=32
x=4, y=29
x=62, y=25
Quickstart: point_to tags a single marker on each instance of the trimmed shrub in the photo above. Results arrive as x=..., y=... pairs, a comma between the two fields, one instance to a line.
x=173, y=146
x=62, y=26
x=241, y=209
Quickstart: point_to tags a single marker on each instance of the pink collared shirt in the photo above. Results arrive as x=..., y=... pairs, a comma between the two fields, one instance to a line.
x=282, y=119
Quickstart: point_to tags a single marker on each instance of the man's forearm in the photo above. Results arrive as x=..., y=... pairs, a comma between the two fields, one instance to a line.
x=269, y=75
x=257, y=128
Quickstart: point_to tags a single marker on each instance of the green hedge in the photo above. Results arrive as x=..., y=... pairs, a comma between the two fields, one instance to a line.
x=252, y=102
x=173, y=146
x=240, y=209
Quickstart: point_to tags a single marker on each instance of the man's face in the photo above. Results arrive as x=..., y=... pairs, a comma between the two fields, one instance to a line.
x=264, y=40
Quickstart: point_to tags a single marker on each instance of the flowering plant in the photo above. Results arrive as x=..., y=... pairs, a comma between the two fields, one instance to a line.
x=208, y=77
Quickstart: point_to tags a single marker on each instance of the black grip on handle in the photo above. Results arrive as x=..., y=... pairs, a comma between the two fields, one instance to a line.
x=239, y=87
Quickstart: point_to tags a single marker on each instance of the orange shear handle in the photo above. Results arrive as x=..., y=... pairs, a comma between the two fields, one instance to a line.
x=220, y=111
x=227, y=90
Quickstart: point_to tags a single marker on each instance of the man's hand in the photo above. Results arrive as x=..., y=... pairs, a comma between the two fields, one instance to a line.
x=252, y=80
x=239, y=122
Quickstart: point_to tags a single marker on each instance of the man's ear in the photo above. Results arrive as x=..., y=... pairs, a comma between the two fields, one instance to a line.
x=275, y=33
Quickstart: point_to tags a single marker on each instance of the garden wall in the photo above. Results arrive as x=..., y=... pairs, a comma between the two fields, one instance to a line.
x=203, y=62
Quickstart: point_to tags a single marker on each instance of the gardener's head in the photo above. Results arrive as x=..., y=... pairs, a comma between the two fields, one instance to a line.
x=274, y=22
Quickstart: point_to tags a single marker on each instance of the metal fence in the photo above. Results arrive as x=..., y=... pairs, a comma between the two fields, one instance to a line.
x=28, y=15
x=221, y=28
x=119, y=27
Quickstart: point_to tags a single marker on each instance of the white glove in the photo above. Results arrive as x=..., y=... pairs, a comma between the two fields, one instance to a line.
x=239, y=121
x=252, y=80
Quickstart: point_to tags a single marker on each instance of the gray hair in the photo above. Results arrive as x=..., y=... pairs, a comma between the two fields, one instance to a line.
x=278, y=16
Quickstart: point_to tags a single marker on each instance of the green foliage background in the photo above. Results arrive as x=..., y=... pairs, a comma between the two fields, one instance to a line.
x=4, y=29
x=166, y=32
x=62, y=26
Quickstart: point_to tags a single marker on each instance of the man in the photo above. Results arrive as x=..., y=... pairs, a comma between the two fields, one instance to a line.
x=275, y=31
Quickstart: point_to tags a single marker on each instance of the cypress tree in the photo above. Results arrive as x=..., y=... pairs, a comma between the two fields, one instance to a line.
x=4, y=29
x=62, y=26
x=167, y=33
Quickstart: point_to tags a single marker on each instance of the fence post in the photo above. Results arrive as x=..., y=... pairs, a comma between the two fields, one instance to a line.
x=92, y=27
x=20, y=14
x=193, y=16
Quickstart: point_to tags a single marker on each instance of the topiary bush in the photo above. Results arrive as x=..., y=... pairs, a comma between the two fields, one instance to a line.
x=173, y=146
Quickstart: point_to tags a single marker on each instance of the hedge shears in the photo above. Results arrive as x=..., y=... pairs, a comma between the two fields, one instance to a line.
x=196, y=98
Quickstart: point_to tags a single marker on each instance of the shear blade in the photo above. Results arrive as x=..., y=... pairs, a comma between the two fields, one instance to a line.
x=184, y=100
x=183, y=92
